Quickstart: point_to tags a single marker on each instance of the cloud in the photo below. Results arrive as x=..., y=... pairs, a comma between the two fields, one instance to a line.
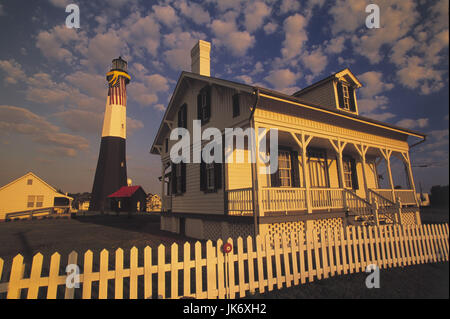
x=194, y=12
x=179, y=44
x=288, y=6
x=374, y=83
x=255, y=14
x=281, y=79
x=228, y=36
x=165, y=14
x=412, y=124
x=270, y=28
x=2, y=11
x=60, y=3
x=56, y=43
x=295, y=36
x=316, y=61
x=141, y=33
x=19, y=120
x=13, y=70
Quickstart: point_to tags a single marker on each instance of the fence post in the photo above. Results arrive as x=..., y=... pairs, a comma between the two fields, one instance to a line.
x=399, y=211
x=377, y=219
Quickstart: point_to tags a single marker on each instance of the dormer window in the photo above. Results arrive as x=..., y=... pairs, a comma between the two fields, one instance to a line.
x=346, y=96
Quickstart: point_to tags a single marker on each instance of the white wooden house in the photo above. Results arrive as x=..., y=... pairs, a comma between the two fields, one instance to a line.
x=329, y=157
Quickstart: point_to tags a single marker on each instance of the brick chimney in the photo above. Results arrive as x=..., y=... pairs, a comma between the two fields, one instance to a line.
x=200, y=55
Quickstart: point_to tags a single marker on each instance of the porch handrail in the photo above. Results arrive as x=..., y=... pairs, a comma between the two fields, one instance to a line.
x=383, y=201
x=386, y=208
x=239, y=201
x=357, y=204
x=283, y=199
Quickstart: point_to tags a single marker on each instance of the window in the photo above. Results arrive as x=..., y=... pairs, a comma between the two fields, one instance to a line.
x=204, y=105
x=167, y=145
x=318, y=168
x=35, y=201
x=178, y=178
x=30, y=182
x=287, y=174
x=346, y=96
x=236, y=106
x=210, y=177
x=31, y=199
x=350, y=176
x=284, y=168
x=39, y=201
x=347, y=174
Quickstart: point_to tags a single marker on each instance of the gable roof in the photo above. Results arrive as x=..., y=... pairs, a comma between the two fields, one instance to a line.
x=290, y=99
x=125, y=191
x=31, y=174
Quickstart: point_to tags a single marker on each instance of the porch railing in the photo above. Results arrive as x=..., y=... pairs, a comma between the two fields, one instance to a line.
x=407, y=196
x=239, y=201
x=326, y=198
x=283, y=199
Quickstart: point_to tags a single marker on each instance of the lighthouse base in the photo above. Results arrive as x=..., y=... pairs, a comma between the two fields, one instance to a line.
x=111, y=173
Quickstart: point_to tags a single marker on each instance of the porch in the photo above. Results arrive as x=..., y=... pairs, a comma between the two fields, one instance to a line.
x=319, y=173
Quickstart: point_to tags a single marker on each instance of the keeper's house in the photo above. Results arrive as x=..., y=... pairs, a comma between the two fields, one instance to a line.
x=30, y=195
x=329, y=159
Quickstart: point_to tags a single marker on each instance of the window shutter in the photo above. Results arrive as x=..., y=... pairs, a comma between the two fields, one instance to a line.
x=295, y=173
x=275, y=179
x=183, y=177
x=354, y=174
x=236, y=106
x=352, y=99
x=185, y=116
x=340, y=95
x=208, y=103
x=202, y=176
x=199, y=106
x=218, y=176
x=180, y=117
x=174, y=178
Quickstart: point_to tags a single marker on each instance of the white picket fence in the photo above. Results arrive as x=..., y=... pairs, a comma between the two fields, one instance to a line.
x=254, y=265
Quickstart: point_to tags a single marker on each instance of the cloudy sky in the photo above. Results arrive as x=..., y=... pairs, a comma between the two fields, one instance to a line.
x=53, y=90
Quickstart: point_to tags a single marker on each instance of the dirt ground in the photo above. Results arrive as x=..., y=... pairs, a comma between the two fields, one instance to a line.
x=97, y=232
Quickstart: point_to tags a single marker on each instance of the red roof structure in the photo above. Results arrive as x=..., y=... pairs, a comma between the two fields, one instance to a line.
x=124, y=191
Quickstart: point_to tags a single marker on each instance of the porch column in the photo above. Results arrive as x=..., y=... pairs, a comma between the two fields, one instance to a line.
x=303, y=144
x=407, y=162
x=362, y=150
x=256, y=195
x=163, y=180
x=387, y=157
x=339, y=148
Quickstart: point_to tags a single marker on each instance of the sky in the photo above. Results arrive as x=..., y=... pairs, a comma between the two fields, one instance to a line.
x=53, y=86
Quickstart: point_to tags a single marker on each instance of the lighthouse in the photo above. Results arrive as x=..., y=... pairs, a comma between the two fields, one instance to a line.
x=111, y=172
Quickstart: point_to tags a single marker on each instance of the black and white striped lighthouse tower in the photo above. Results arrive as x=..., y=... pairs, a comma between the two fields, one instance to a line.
x=111, y=173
